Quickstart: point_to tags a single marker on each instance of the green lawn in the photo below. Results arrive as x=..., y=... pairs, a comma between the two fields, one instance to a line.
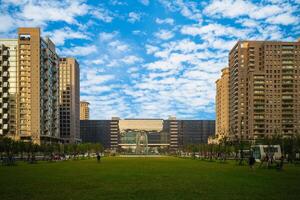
x=146, y=178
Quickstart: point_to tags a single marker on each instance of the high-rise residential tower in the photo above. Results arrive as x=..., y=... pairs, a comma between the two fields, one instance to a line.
x=38, y=84
x=264, y=89
x=69, y=100
x=8, y=87
x=222, y=105
x=84, y=110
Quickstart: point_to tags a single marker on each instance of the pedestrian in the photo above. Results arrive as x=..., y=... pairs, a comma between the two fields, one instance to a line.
x=280, y=165
x=98, y=157
x=264, y=159
x=251, y=161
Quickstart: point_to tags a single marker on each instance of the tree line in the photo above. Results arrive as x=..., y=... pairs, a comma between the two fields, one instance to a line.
x=12, y=150
x=236, y=149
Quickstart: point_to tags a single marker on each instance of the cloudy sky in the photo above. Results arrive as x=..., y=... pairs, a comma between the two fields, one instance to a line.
x=151, y=58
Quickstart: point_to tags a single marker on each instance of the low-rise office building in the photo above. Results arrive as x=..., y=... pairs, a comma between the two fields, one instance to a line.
x=138, y=135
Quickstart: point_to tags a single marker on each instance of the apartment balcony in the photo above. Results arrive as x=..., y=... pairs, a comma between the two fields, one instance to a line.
x=259, y=121
x=5, y=74
x=287, y=112
x=286, y=102
x=287, y=77
x=287, y=82
x=287, y=52
x=5, y=106
x=24, y=73
x=5, y=95
x=287, y=121
x=259, y=107
x=287, y=47
x=259, y=92
x=258, y=82
x=287, y=72
x=261, y=127
x=287, y=96
x=288, y=126
x=5, y=53
x=259, y=133
x=5, y=63
x=5, y=126
x=287, y=116
x=259, y=87
x=288, y=67
x=287, y=62
x=259, y=77
x=259, y=117
x=258, y=97
x=288, y=86
x=287, y=89
x=5, y=116
x=287, y=107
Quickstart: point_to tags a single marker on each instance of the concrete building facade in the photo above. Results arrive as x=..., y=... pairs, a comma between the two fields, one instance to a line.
x=264, y=86
x=38, y=87
x=171, y=134
x=69, y=100
x=84, y=110
x=9, y=87
x=29, y=89
x=222, y=105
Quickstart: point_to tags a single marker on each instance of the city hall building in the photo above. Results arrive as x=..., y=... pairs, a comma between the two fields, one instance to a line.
x=146, y=135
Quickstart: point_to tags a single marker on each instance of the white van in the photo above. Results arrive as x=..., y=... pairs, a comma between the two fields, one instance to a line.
x=260, y=151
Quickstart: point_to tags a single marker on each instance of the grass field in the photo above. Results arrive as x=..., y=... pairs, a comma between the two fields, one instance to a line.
x=146, y=178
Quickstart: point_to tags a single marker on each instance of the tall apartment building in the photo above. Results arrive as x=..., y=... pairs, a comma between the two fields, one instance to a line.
x=264, y=89
x=38, y=87
x=69, y=100
x=8, y=87
x=84, y=110
x=222, y=105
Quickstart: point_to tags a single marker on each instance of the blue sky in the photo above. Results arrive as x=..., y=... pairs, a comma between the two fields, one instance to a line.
x=151, y=58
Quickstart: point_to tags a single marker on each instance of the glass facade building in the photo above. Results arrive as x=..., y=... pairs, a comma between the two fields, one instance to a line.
x=146, y=135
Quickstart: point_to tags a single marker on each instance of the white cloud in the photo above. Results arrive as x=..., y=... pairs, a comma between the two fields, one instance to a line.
x=14, y=2
x=43, y=11
x=145, y=2
x=228, y=8
x=116, y=2
x=169, y=21
x=7, y=23
x=98, y=61
x=131, y=59
x=284, y=19
x=102, y=14
x=134, y=17
x=138, y=32
x=37, y=13
x=186, y=9
x=164, y=34
x=104, y=36
x=279, y=13
x=264, y=12
x=214, y=30
x=91, y=78
x=249, y=22
x=118, y=45
x=59, y=36
x=79, y=50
